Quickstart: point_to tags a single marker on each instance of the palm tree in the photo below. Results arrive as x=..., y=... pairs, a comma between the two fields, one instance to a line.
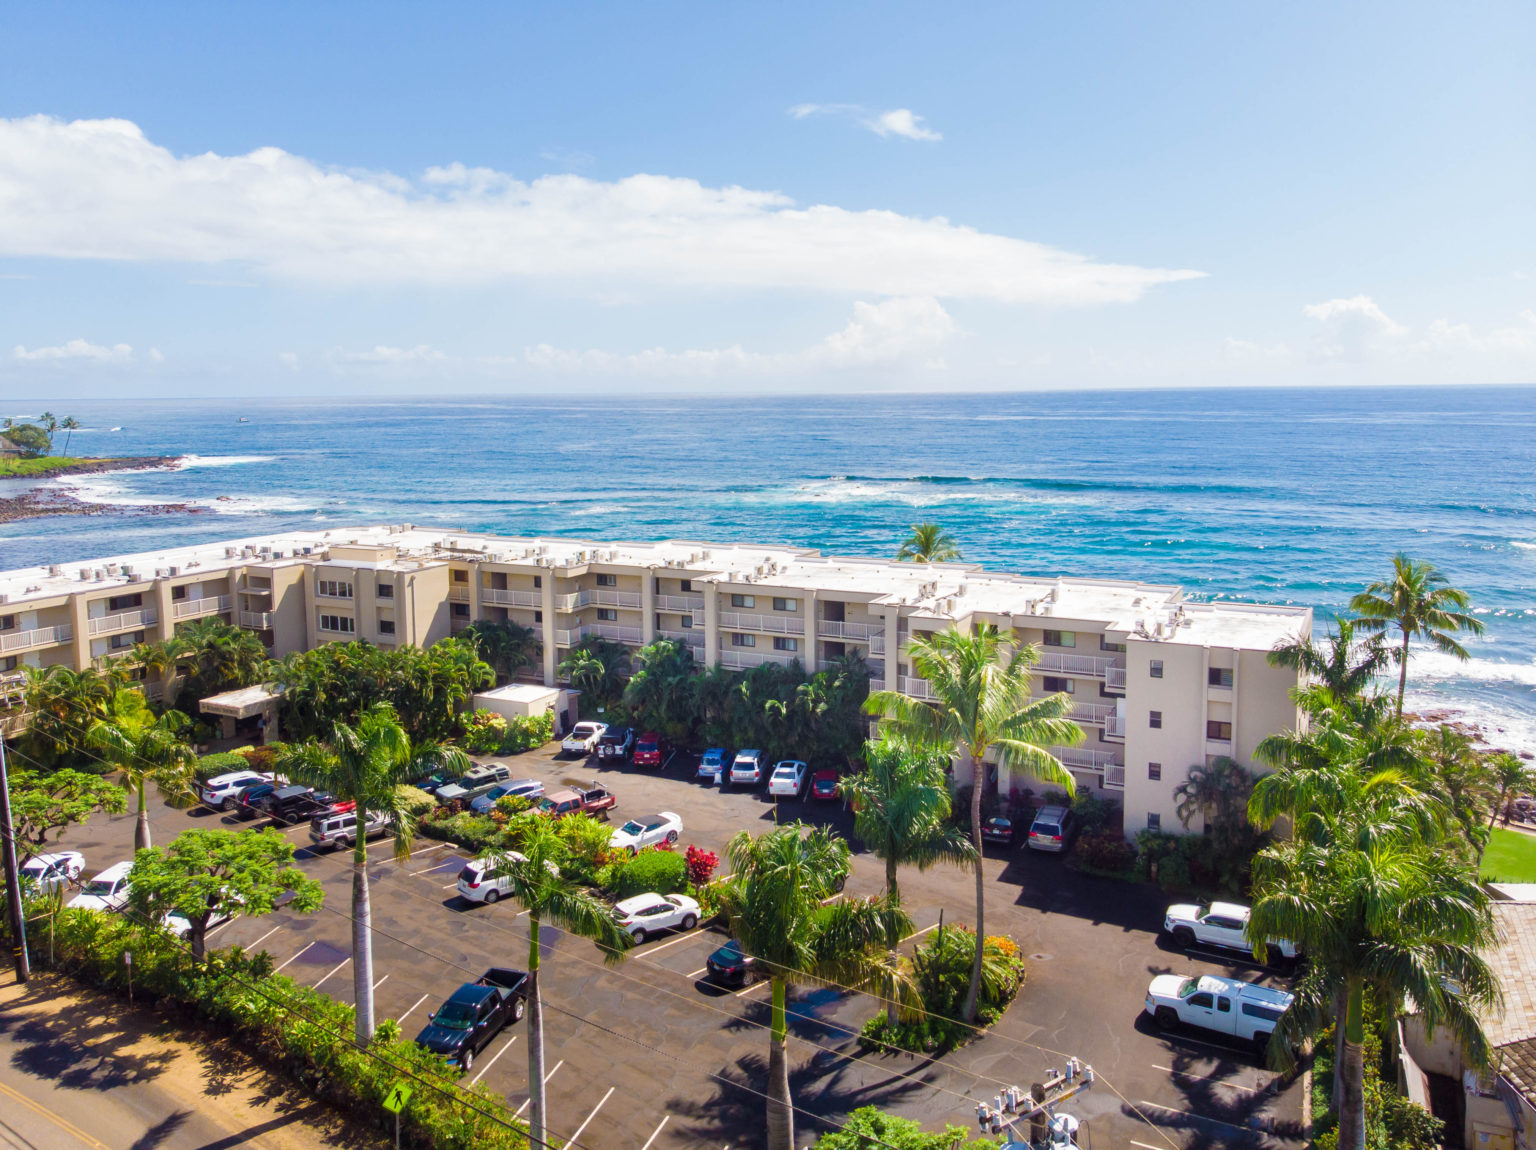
x=1218, y=790
x=981, y=705
x=1346, y=662
x=1463, y=779
x=1364, y=891
x=901, y=813
x=70, y=425
x=62, y=705
x=1510, y=775
x=367, y=764
x=928, y=543
x=145, y=748
x=773, y=904
x=1419, y=602
x=506, y=646
x=537, y=885
x=598, y=667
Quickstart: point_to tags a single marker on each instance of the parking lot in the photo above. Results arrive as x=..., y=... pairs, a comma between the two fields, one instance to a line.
x=647, y=1055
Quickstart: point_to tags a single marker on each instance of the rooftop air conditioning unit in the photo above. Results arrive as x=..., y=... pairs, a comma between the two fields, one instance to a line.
x=85, y=574
x=98, y=574
x=230, y=552
x=55, y=569
x=277, y=554
x=173, y=571
x=159, y=572
x=4, y=598
x=111, y=568
x=127, y=570
x=309, y=550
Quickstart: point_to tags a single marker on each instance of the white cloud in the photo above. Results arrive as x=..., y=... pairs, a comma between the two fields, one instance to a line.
x=896, y=122
x=1352, y=328
x=904, y=330
x=97, y=189
x=1360, y=309
x=421, y=353
x=81, y=349
x=288, y=359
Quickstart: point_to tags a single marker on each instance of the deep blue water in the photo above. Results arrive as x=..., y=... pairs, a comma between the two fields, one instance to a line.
x=1283, y=495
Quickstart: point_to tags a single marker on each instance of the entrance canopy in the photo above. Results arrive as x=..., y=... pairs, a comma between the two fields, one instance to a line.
x=243, y=704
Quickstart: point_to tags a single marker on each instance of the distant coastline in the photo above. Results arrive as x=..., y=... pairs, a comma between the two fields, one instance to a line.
x=40, y=501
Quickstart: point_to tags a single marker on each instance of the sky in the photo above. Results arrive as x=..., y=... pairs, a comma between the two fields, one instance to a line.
x=360, y=199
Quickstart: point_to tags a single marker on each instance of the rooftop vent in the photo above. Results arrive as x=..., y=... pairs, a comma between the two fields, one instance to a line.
x=55, y=569
x=173, y=571
x=85, y=574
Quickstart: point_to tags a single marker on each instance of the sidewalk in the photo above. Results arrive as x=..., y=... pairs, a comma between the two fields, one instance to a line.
x=82, y=1070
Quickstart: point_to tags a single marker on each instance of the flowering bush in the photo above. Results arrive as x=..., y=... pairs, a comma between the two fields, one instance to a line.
x=484, y=732
x=701, y=866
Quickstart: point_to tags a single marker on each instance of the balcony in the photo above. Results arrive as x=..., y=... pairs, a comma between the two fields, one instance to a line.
x=597, y=597
x=681, y=604
x=124, y=621
x=1114, y=778
x=36, y=637
x=1053, y=663
x=877, y=684
x=1114, y=727
x=1082, y=759
x=192, y=608
x=256, y=620
x=771, y=624
x=859, y=632
x=574, y=635
x=744, y=659
x=693, y=639
x=458, y=593
x=917, y=688
x=1093, y=714
x=512, y=598
x=1114, y=678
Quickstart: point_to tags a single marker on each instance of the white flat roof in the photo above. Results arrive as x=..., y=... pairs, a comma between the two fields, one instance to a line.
x=520, y=693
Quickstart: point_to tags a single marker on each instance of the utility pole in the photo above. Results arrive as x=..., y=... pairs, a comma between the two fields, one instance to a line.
x=12, y=874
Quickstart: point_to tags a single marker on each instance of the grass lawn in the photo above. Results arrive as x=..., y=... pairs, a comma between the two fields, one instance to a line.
x=46, y=465
x=1510, y=857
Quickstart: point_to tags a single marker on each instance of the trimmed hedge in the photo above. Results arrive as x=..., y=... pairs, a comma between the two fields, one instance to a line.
x=301, y=1033
x=651, y=872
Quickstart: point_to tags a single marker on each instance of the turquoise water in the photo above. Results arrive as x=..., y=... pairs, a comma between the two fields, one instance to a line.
x=1294, y=496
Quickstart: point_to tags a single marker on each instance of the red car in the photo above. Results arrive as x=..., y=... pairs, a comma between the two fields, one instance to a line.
x=650, y=750
x=825, y=784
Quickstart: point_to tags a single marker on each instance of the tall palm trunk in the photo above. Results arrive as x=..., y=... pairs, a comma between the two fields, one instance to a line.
x=893, y=895
x=781, y=1114
x=362, y=934
x=1340, y=1010
x=141, y=825
x=536, y=1097
x=1402, y=677
x=1352, y=1103
x=973, y=992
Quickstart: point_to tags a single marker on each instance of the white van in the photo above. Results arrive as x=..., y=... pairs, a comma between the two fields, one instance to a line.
x=107, y=891
x=329, y=831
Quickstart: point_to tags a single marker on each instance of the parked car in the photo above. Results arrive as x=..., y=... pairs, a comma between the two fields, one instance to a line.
x=788, y=779
x=1223, y=924
x=730, y=965
x=474, y=784
x=616, y=743
x=1223, y=1005
x=221, y=790
x=245, y=800
x=46, y=873
x=435, y=781
x=1053, y=829
x=647, y=915
x=997, y=829
x=474, y=1014
x=291, y=805
x=747, y=768
x=647, y=830
x=519, y=788
x=583, y=738
x=482, y=880
x=713, y=764
x=827, y=784
x=651, y=750
x=106, y=890
x=339, y=829
x=595, y=801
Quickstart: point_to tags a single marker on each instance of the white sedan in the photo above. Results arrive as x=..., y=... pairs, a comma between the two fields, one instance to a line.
x=646, y=915
x=647, y=830
x=788, y=778
x=47, y=873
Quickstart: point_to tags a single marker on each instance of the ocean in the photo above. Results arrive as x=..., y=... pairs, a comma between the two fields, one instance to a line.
x=1281, y=495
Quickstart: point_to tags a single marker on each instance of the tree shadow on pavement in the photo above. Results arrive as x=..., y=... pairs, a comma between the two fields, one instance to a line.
x=81, y=1049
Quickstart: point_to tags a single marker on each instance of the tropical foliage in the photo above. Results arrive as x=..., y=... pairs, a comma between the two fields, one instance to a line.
x=204, y=657
x=507, y=647
x=146, y=748
x=598, y=668
x=941, y=971
x=63, y=704
x=44, y=803
x=487, y=733
x=868, y=1127
x=928, y=543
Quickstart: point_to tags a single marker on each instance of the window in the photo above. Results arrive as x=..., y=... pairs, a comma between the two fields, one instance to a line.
x=786, y=604
x=743, y=601
x=178, y=593
x=386, y=590
x=7, y=622
x=1056, y=683
x=386, y=626
x=1223, y=1006
x=607, y=615
x=1106, y=645
x=786, y=644
x=1155, y=720
x=743, y=640
x=1155, y=669
x=1267, y=1013
x=1154, y=821
x=1216, y=729
x=538, y=581
x=340, y=624
x=607, y=580
x=1203, y=999
x=687, y=584
x=334, y=588
x=687, y=622
x=460, y=576
x=10, y=662
x=1061, y=639
x=538, y=616
x=124, y=641
x=124, y=602
x=461, y=610
x=1154, y=771
x=1219, y=677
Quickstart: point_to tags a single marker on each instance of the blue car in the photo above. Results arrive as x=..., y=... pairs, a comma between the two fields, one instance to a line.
x=714, y=763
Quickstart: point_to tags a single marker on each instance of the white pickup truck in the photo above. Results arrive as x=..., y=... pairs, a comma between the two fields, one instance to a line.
x=1223, y=924
x=1223, y=1005
x=583, y=738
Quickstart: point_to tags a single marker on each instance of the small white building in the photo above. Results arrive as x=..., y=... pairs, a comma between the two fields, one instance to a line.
x=520, y=700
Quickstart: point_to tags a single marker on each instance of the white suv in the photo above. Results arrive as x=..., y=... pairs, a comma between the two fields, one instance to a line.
x=788, y=778
x=328, y=831
x=47, y=873
x=747, y=768
x=482, y=881
x=646, y=915
x=221, y=790
x=583, y=738
x=107, y=891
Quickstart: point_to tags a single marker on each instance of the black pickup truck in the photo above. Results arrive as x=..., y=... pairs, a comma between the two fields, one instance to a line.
x=474, y=1014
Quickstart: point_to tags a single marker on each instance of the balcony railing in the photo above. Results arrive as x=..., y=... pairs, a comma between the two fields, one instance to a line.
x=917, y=688
x=574, y=635
x=877, y=684
x=35, y=637
x=212, y=605
x=1082, y=759
x=693, y=639
x=1114, y=777
x=861, y=632
x=877, y=644
x=742, y=659
x=124, y=621
x=682, y=604
x=1096, y=714
x=503, y=598
x=458, y=594
x=256, y=620
x=1053, y=663
x=772, y=624
x=1114, y=678
x=597, y=596
x=1114, y=727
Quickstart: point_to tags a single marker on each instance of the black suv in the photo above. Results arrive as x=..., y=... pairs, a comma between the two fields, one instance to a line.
x=294, y=805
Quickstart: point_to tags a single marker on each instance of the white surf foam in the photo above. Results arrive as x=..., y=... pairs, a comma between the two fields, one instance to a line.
x=190, y=461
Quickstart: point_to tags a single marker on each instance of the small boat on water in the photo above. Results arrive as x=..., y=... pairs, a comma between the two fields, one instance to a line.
x=242, y=419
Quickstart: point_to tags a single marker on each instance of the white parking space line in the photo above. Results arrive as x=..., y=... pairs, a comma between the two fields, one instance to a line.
x=573, y=1138
x=414, y=1005
x=492, y=1062
x=332, y=971
x=424, y=850
x=754, y=986
x=701, y=970
x=380, y=983
x=684, y=937
x=221, y=926
x=665, y=1119
x=1144, y=1145
x=925, y=930
x=1199, y=1117
x=1211, y=1078
x=547, y=1077
x=263, y=938
x=451, y=886
x=302, y=949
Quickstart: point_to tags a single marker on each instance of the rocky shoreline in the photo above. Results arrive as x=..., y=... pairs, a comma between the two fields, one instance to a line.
x=43, y=501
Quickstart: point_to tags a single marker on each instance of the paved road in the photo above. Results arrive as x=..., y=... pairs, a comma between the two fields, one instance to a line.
x=650, y=1057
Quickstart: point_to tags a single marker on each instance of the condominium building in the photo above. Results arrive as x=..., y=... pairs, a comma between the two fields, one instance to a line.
x=1159, y=682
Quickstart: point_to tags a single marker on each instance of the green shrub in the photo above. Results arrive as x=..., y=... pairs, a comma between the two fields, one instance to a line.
x=1107, y=852
x=510, y=805
x=416, y=802
x=868, y=1127
x=527, y=733
x=220, y=763
x=484, y=732
x=941, y=968
x=651, y=872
